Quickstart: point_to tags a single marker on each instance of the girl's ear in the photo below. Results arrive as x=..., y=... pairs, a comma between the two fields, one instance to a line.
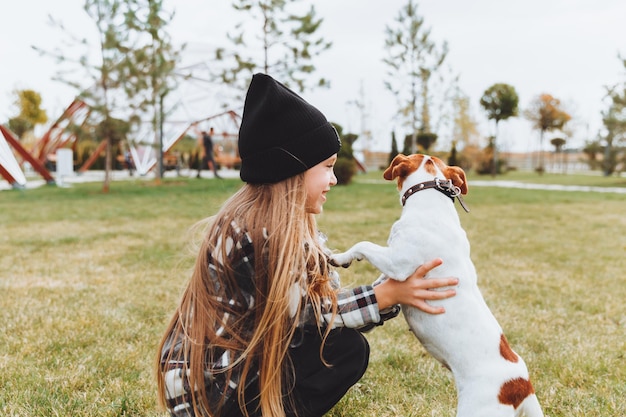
x=457, y=175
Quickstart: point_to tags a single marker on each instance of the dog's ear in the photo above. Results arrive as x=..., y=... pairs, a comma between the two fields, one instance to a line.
x=457, y=175
x=397, y=168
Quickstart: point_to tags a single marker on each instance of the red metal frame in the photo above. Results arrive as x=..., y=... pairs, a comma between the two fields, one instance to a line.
x=34, y=162
x=7, y=176
x=52, y=140
x=93, y=157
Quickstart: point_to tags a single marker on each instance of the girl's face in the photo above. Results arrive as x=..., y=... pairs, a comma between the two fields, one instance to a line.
x=317, y=182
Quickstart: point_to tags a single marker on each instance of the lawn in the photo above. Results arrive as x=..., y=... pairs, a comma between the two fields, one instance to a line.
x=89, y=281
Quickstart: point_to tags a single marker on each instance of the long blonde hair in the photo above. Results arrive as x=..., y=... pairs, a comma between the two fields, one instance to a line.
x=290, y=251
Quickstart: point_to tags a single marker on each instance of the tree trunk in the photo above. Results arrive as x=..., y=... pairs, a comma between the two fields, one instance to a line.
x=107, y=166
x=494, y=168
x=540, y=163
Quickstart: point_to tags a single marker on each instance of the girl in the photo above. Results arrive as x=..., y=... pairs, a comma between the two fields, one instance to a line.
x=263, y=328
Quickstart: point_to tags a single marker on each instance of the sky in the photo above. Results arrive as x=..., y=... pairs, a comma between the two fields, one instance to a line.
x=567, y=48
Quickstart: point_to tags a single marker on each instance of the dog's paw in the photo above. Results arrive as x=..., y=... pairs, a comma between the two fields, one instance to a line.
x=341, y=260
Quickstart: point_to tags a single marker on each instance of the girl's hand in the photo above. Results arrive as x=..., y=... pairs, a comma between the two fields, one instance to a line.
x=416, y=290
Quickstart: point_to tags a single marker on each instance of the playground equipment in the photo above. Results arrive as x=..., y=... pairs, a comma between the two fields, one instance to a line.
x=56, y=137
x=9, y=168
x=59, y=135
x=63, y=135
x=38, y=166
x=144, y=154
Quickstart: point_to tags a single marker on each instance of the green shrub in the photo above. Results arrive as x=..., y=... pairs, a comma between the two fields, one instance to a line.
x=345, y=169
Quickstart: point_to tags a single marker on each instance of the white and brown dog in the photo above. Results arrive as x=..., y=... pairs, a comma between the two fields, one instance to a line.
x=491, y=379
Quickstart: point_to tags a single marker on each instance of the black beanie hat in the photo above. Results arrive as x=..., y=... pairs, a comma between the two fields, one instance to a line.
x=281, y=135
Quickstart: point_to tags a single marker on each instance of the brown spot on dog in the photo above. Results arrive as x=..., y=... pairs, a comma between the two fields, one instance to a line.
x=402, y=166
x=515, y=391
x=456, y=174
x=506, y=351
x=429, y=166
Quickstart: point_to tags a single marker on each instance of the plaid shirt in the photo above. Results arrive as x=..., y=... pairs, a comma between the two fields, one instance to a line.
x=356, y=308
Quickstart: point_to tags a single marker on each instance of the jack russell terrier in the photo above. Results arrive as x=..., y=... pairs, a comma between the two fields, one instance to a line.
x=491, y=379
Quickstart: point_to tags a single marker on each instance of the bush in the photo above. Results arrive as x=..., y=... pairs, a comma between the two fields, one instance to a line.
x=345, y=169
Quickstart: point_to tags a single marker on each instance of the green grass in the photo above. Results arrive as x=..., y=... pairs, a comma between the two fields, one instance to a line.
x=89, y=280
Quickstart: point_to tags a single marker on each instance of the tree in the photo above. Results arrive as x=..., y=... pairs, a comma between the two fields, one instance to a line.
x=484, y=160
x=412, y=59
x=105, y=75
x=108, y=15
x=591, y=150
x=394, y=148
x=408, y=146
x=287, y=40
x=114, y=129
x=133, y=71
x=614, y=127
x=453, y=159
x=558, y=144
x=614, y=120
x=30, y=113
x=500, y=102
x=464, y=126
x=546, y=115
x=426, y=140
x=345, y=167
x=149, y=67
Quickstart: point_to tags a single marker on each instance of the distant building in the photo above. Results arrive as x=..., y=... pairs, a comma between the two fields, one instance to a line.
x=565, y=162
x=372, y=161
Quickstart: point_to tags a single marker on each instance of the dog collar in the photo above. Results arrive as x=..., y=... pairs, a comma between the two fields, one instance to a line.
x=446, y=187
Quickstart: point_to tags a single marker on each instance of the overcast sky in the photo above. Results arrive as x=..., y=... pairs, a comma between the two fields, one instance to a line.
x=566, y=48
